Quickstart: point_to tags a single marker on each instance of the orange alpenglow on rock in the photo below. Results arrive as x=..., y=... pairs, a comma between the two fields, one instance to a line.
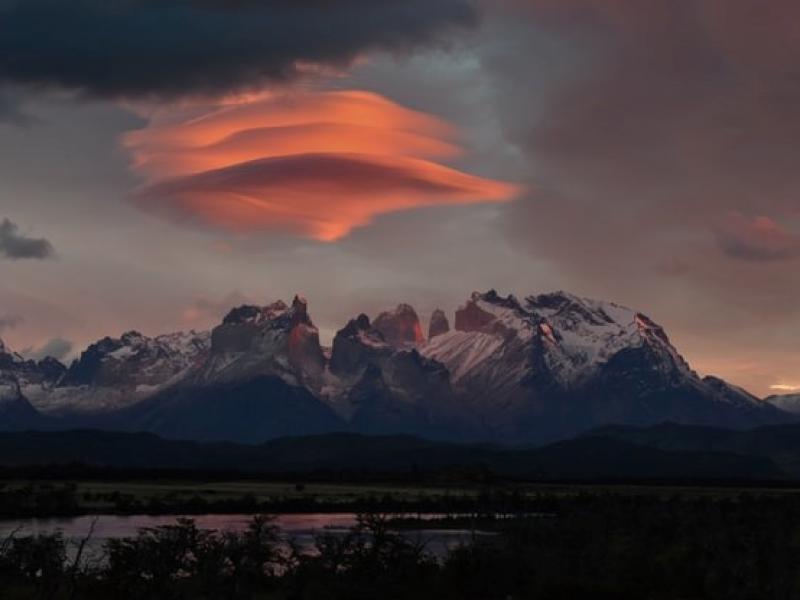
x=400, y=327
x=314, y=164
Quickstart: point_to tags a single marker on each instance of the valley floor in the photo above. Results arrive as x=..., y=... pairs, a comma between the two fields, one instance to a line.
x=182, y=496
x=539, y=542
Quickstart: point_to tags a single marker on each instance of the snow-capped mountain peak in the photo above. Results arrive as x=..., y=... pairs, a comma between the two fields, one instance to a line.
x=276, y=339
x=134, y=359
x=491, y=313
x=116, y=372
x=45, y=372
x=586, y=334
x=568, y=336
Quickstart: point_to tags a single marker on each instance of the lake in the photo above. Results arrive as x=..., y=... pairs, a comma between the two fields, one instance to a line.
x=302, y=529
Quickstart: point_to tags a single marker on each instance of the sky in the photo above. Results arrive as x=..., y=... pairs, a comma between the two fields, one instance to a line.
x=162, y=162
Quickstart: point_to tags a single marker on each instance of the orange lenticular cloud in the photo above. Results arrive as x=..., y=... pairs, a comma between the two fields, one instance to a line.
x=316, y=164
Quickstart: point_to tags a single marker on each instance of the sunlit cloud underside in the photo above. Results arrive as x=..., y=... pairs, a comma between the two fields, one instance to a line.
x=314, y=164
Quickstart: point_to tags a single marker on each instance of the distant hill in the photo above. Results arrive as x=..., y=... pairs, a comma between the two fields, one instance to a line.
x=585, y=458
x=779, y=443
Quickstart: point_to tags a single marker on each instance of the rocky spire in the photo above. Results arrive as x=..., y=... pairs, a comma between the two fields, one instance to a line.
x=400, y=327
x=438, y=324
x=354, y=343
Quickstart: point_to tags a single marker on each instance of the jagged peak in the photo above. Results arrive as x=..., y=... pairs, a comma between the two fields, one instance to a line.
x=438, y=324
x=278, y=312
x=570, y=310
x=577, y=335
x=649, y=328
x=492, y=297
x=250, y=313
x=400, y=326
x=361, y=330
x=560, y=305
x=360, y=323
x=178, y=335
x=553, y=300
x=598, y=312
x=133, y=338
x=404, y=308
x=300, y=304
x=353, y=343
x=490, y=312
x=132, y=334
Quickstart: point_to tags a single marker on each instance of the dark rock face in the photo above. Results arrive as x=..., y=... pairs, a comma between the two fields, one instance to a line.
x=241, y=328
x=389, y=388
x=477, y=314
x=253, y=341
x=134, y=359
x=400, y=327
x=52, y=369
x=47, y=371
x=251, y=411
x=439, y=324
x=354, y=345
x=16, y=413
x=405, y=392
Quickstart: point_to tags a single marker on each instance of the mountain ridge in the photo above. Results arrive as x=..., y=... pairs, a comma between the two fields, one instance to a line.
x=534, y=370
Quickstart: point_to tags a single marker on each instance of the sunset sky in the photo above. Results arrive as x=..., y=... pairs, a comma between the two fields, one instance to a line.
x=163, y=161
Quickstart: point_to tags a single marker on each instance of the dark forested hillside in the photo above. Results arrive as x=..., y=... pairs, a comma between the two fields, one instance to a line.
x=591, y=457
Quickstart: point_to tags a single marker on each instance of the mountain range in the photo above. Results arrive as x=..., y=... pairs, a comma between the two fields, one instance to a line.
x=512, y=371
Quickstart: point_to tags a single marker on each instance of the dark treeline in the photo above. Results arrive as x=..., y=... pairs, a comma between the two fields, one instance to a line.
x=456, y=475
x=54, y=498
x=590, y=545
x=49, y=499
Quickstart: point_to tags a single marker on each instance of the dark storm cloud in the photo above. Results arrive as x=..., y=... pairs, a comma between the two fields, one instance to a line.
x=134, y=48
x=16, y=245
x=11, y=111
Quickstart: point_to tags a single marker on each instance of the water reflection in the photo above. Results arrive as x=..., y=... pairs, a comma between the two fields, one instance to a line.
x=301, y=529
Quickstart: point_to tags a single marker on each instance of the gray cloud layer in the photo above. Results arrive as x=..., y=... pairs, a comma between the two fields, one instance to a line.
x=9, y=321
x=661, y=138
x=11, y=111
x=58, y=348
x=16, y=245
x=682, y=114
x=176, y=47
